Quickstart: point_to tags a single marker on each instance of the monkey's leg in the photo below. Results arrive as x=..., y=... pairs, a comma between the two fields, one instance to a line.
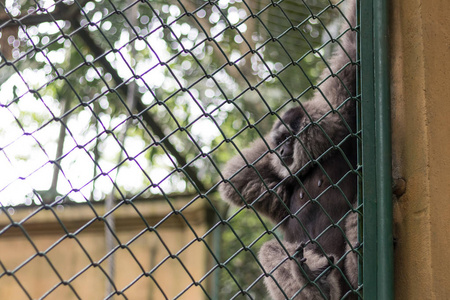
x=293, y=274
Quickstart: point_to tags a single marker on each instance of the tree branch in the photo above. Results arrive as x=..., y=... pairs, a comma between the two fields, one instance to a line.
x=148, y=118
x=62, y=12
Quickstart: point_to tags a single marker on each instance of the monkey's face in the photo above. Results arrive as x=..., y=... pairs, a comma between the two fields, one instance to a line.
x=285, y=142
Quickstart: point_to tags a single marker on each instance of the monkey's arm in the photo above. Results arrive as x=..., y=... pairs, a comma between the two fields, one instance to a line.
x=250, y=182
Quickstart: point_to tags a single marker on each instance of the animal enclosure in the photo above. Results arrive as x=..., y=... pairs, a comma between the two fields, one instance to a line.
x=116, y=121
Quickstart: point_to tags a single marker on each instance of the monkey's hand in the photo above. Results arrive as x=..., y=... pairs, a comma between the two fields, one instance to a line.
x=250, y=180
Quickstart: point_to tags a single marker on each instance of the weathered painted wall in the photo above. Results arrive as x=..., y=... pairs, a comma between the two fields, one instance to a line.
x=75, y=258
x=420, y=53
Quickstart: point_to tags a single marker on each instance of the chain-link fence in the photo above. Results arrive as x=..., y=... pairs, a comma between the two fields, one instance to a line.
x=116, y=121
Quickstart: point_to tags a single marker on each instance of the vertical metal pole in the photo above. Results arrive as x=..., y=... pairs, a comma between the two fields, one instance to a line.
x=110, y=240
x=383, y=148
x=376, y=152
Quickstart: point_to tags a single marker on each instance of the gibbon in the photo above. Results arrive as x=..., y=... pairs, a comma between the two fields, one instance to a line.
x=306, y=182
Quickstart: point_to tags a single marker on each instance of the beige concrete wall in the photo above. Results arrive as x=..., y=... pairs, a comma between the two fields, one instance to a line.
x=68, y=255
x=420, y=52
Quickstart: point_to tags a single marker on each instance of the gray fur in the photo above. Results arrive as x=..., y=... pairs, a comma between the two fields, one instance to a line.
x=351, y=260
x=289, y=277
x=307, y=198
x=331, y=113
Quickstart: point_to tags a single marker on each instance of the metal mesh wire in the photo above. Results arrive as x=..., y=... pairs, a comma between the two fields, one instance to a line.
x=116, y=119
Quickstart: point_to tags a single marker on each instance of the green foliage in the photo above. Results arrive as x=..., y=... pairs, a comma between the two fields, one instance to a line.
x=213, y=75
x=208, y=73
x=241, y=239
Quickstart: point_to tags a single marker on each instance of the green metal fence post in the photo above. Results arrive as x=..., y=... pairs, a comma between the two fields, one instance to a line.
x=378, y=247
